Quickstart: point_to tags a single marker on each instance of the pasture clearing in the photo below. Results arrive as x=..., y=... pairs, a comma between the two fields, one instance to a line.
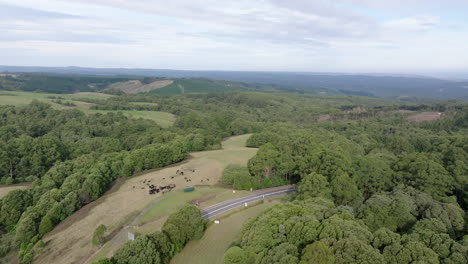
x=176, y=200
x=5, y=189
x=70, y=241
x=425, y=116
x=24, y=98
x=136, y=86
x=218, y=237
x=163, y=119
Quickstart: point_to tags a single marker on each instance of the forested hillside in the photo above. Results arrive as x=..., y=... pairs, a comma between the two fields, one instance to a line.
x=372, y=191
x=122, y=84
x=368, y=180
x=61, y=84
x=383, y=85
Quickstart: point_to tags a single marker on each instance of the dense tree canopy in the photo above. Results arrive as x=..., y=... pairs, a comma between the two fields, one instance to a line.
x=371, y=186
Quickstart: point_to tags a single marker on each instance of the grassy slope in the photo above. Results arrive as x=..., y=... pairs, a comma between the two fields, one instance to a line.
x=217, y=238
x=23, y=98
x=174, y=201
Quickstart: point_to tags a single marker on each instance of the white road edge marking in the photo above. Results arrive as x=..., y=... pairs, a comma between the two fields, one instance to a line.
x=240, y=202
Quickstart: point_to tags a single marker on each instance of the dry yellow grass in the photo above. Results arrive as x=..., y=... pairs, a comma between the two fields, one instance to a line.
x=5, y=189
x=70, y=242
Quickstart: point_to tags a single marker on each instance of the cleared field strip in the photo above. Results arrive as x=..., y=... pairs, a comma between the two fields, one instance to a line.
x=425, y=116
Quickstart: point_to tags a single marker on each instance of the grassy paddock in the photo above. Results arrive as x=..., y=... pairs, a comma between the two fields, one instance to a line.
x=24, y=98
x=218, y=237
x=173, y=202
x=226, y=195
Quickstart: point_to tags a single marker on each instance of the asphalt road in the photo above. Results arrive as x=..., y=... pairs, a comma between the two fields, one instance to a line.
x=223, y=207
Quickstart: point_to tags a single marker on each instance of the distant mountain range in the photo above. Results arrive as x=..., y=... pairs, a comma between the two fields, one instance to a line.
x=379, y=85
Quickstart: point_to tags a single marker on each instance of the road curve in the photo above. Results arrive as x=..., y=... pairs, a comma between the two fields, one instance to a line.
x=223, y=207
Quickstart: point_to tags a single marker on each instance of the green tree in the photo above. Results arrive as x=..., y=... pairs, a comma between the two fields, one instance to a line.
x=372, y=175
x=329, y=162
x=266, y=163
x=313, y=185
x=164, y=245
x=284, y=253
x=421, y=172
x=343, y=188
x=317, y=253
x=237, y=176
x=12, y=206
x=409, y=252
x=354, y=251
x=235, y=255
x=184, y=225
x=45, y=226
x=139, y=251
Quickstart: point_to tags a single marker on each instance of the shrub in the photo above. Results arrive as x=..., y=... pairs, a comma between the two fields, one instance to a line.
x=98, y=236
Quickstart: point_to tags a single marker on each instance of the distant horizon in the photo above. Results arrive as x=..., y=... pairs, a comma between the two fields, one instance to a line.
x=440, y=75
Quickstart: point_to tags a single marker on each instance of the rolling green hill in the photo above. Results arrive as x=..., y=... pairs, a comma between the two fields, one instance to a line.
x=61, y=84
x=67, y=84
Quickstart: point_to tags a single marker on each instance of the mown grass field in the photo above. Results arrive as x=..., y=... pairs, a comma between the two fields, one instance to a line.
x=23, y=98
x=218, y=237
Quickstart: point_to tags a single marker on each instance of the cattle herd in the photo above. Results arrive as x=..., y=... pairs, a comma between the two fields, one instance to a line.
x=154, y=189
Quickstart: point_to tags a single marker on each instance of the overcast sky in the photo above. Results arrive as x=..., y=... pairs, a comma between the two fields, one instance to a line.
x=391, y=36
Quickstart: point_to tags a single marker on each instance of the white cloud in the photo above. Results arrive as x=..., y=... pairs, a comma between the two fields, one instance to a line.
x=304, y=35
x=414, y=23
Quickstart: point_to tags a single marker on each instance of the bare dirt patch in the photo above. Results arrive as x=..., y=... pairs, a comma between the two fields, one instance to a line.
x=425, y=116
x=324, y=117
x=70, y=242
x=136, y=86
